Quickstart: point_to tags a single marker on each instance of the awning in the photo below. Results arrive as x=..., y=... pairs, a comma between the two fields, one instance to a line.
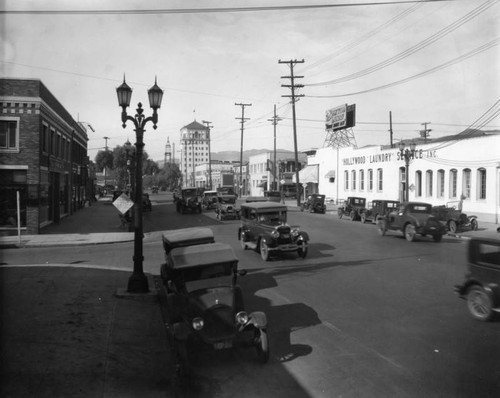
x=330, y=174
x=262, y=185
x=308, y=174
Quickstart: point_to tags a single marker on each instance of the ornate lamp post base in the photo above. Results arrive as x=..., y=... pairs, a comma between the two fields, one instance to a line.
x=138, y=283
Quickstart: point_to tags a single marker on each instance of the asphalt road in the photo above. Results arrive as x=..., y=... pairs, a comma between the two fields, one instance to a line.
x=362, y=315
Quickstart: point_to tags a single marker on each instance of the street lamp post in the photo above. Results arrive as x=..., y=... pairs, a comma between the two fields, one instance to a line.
x=407, y=155
x=138, y=283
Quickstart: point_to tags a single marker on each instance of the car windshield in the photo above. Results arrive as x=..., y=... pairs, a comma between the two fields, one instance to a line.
x=217, y=281
x=272, y=218
x=419, y=208
x=228, y=200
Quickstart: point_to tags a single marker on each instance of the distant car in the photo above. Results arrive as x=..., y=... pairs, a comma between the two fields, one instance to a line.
x=205, y=301
x=251, y=199
x=209, y=200
x=352, y=208
x=264, y=228
x=378, y=207
x=481, y=288
x=226, y=208
x=412, y=219
x=154, y=189
x=189, y=200
x=453, y=218
x=273, y=196
x=315, y=204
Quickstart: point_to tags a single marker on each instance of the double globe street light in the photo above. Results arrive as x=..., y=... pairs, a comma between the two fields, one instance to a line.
x=138, y=282
x=407, y=154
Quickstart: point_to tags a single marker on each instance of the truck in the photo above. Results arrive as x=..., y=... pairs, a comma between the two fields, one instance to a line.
x=227, y=184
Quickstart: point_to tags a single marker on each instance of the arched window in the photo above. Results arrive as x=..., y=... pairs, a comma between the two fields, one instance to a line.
x=453, y=183
x=362, y=180
x=428, y=183
x=370, y=179
x=346, y=180
x=481, y=182
x=466, y=181
x=380, y=180
x=440, y=183
x=418, y=183
x=353, y=174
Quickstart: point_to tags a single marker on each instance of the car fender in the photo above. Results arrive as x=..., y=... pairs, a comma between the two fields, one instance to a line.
x=489, y=288
x=258, y=319
x=304, y=236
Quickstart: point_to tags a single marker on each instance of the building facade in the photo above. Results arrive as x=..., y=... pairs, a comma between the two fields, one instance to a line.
x=43, y=158
x=440, y=172
x=194, y=142
x=218, y=169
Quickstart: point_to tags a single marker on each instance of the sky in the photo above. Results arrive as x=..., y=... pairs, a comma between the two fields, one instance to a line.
x=435, y=62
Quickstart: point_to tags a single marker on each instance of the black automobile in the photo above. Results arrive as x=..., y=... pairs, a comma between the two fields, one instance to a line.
x=378, y=208
x=264, y=228
x=481, y=288
x=205, y=302
x=451, y=215
x=225, y=208
x=353, y=207
x=189, y=200
x=315, y=204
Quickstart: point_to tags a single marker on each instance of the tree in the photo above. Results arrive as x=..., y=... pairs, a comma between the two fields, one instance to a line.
x=104, y=159
x=169, y=177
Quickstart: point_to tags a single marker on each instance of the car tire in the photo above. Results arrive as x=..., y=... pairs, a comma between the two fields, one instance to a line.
x=363, y=218
x=340, y=213
x=264, y=250
x=437, y=238
x=474, y=225
x=261, y=345
x=352, y=215
x=410, y=232
x=302, y=250
x=479, y=303
x=382, y=226
x=452, y=226
x=242, y=243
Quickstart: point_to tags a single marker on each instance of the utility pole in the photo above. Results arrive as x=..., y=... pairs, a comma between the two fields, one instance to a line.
x=293, y=97
x=425, y=131
x=106, y=148
x=390, y=128
x=242, y=121
x=274, y=120
x=208, y=124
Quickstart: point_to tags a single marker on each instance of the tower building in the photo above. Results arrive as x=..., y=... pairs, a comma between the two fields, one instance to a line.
x=194, y=141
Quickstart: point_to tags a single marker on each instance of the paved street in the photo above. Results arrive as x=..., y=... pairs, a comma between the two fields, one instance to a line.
x=362, y=315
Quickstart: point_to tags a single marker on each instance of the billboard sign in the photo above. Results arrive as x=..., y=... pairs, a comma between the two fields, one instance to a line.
x=341, y=117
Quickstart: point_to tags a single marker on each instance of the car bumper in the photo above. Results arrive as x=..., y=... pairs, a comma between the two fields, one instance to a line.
x=289, y=247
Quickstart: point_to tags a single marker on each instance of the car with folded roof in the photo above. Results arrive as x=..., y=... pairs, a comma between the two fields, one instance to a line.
x=377, y=208
x=481, y=286
x=264, y=228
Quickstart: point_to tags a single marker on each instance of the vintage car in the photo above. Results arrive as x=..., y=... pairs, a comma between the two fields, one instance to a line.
x=154, y=189
x=185, y=237
x=273, y=196
x=453, y=218
x=205, y=303
x=209, y=200
x=352, y=208
x=481, y=288
x=189, y=200
x=226, y=208
x=315, y=204
x=264, y=228
x=412, y=218
x=378, y=207
x=251, y=199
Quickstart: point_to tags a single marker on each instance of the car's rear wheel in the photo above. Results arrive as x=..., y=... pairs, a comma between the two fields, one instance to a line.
x=479, y=304
x=452, y=226
x=474, y=225
x=302, y=250
x=262, y=345
x=353, y=215
x=382, y=226
x=264, y=250
x=410, y=232
x=363, y=218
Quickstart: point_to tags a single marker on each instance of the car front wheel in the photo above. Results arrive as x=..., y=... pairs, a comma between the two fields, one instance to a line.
x=452, y=226
x=302, y=250
x=264, y=250
x=479, y=304
x=474, y=225
x=410, y=232
x=261, y=345
x=382, y=227
x=363, y=218
x=340, y=213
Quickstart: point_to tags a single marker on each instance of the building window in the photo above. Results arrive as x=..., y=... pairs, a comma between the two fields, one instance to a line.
x=418, y=183
x=346, y=180
x=429, y=182
x=370, y=179
x=481, y=180
x=440, y=183
x=362, y=180
x=45, y=137
x=453, y=183
x=353, y=179
x=380, y=180
x=466, y=183
x=9, y=134
x=52, y=141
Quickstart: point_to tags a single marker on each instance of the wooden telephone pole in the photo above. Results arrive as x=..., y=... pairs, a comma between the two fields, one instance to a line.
x=242, y=121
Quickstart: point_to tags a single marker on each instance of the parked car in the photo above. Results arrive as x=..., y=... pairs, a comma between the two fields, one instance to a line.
x=453, y=218
x=378, y=208
x=352, y=208
x=226, y=208
x=154, y=189
x=315, y=203
x=251, y=199
x=273, y=196
x=205, y=302
x=481, y=288
x=209, y=200
x=264, y=228
x=189, y=200
x=185, y=237
x=412, y=218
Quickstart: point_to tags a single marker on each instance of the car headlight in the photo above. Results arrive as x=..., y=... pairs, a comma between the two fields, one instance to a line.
x=295, y=232
x=241, y=317
x=275, y=234
x=198, y=323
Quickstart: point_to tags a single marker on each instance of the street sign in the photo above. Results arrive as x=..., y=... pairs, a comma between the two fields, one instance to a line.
x=123, y=203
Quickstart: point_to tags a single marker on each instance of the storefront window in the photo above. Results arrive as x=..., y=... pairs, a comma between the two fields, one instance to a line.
x=11, y=182
x=370, y=179
x=429, y=183
x=9, y=134
x=440, y=183
x=380, y=180
x=418, y=184
x=453, y=183
x=466, y=183
x=481, y=179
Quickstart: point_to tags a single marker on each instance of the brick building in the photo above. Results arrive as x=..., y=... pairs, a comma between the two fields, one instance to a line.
x=43, y=157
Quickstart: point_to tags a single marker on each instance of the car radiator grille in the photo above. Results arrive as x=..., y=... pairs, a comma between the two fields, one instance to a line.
x=219, y=323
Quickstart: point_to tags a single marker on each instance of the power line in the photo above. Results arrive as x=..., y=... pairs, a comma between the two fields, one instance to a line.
x=242, y=121
x=209, y=9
